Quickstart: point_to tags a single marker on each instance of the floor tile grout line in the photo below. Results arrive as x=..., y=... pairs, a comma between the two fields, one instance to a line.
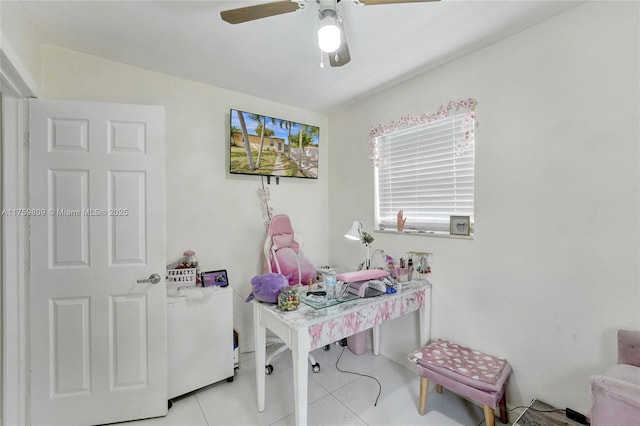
x=282, y=418
x=348, y=409
x=202, y=410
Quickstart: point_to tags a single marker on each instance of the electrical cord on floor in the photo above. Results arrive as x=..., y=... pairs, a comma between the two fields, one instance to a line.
x=532, y=409
x=360, y=374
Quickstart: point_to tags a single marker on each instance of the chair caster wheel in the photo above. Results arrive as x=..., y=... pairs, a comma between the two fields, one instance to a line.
x=327, y=347
x=316, y=368
x=268, y=369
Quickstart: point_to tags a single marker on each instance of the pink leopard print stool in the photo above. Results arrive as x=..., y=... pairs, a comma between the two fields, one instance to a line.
x=475, y=375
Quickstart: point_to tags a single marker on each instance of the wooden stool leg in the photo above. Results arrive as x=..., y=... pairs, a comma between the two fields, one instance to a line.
x=424, y=387
x=504, y=417
x=439, y=388
x=489, y=416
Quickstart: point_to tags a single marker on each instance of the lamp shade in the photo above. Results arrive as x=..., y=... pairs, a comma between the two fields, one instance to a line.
x=329, y=31
x=355, y=232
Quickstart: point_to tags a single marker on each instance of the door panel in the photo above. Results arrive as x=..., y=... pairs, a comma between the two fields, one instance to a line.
x=98, y=338
x=129, y=337
x=69, y=336
x=68, y=135
x=127, y=236
x=68, y=197
x=127, y=137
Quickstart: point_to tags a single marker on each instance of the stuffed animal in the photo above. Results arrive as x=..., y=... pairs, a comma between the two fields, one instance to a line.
x=266, y=287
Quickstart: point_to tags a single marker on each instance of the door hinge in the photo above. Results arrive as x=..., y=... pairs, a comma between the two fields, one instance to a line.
x=27, y=139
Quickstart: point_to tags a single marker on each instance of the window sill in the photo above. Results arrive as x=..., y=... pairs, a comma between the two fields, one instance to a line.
x=425, y=234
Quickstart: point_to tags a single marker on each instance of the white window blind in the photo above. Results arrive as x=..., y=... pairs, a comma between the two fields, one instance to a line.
x=423, y=172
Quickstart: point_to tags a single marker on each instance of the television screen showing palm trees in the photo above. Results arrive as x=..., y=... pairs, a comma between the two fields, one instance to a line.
x=263, y=145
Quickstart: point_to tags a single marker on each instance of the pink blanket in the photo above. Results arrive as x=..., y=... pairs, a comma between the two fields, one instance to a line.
x=293, y=266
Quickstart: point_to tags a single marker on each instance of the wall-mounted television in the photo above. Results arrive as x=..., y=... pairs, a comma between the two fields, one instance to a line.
x=269, y=146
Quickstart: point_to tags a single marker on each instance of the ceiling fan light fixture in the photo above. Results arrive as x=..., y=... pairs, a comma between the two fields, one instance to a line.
x=329, y=31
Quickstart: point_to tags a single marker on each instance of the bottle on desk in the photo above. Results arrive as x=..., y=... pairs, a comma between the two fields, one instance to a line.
x=331, y=284
x=410, y=267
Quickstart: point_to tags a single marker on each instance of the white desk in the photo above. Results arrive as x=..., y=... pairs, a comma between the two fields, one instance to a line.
x=308, y=328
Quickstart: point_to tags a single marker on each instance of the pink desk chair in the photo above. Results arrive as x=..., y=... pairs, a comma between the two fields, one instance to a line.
x=283, y=255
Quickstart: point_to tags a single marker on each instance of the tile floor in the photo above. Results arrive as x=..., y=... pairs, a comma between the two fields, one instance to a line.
x=335, y=398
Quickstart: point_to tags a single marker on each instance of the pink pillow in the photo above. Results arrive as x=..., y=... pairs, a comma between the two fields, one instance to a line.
x=282, y=240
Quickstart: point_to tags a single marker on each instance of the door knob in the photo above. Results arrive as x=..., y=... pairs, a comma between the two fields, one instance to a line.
x=153, y=279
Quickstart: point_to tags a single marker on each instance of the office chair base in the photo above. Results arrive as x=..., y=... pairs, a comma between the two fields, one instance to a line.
x=268, y=369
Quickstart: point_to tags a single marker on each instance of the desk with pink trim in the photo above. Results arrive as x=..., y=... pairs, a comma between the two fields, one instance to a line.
x=308, y=328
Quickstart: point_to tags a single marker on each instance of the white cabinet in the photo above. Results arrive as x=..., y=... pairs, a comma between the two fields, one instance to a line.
x=199, y=339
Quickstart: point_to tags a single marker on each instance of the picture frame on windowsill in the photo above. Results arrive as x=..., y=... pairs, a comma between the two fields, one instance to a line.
x=460, y=225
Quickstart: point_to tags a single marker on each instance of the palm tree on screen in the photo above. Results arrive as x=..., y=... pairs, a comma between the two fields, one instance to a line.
x=287, y=125
x=262, y=124
x=247, y=145
x=305, y=136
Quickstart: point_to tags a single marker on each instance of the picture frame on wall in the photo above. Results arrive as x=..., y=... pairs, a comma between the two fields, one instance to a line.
x=460, y=225
x=215, y=278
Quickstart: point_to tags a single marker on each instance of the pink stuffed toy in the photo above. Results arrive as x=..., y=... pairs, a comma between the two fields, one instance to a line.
x=266, y=287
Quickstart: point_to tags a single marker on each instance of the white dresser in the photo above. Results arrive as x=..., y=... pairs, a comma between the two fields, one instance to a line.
x=199, y=339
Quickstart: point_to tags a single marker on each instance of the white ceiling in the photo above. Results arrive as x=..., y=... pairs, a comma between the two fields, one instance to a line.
x=277, y=58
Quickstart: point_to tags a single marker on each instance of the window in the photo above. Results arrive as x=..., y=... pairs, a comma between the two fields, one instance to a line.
x=426, y=169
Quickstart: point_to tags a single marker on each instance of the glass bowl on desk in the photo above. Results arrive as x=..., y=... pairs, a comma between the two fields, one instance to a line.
x=288, y=299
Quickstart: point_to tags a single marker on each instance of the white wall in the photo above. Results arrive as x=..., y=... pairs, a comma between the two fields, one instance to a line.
x=19, y=39
x=208, y=210
x=553, y=270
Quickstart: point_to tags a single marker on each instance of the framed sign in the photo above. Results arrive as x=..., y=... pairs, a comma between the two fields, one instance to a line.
x=215, y=278
x=460, y=225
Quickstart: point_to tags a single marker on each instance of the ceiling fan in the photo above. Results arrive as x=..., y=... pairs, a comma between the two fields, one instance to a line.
x=331, y=35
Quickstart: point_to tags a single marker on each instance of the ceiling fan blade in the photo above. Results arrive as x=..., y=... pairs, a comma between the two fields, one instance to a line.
x=375, y=2
x=259, y=11
x=341, y=56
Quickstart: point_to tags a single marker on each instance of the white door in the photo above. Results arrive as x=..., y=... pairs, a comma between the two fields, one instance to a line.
x=98, y=338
